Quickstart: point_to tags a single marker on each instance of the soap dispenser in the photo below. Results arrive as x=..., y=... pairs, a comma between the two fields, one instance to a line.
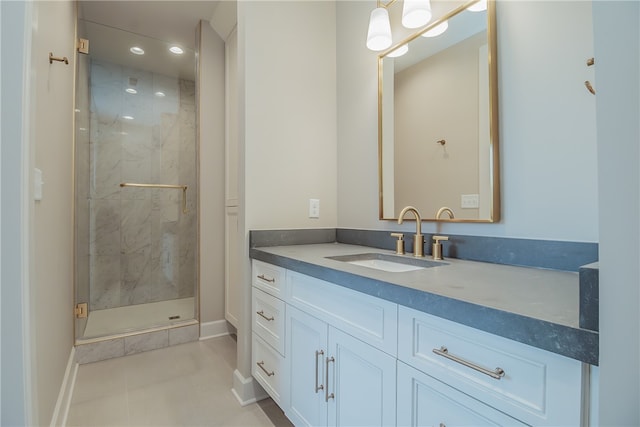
x=436, y=250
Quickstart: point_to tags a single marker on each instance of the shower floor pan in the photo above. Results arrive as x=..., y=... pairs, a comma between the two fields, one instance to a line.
x=120, y=320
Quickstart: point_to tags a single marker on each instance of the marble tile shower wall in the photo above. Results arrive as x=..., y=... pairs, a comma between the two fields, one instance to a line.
x=141, y=246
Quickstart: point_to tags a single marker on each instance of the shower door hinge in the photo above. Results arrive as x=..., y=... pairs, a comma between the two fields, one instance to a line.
x=83, y=46
x=81, y=310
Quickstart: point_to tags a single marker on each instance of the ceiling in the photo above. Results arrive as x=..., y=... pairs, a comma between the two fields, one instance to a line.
x=112, y=27
x=172, y=21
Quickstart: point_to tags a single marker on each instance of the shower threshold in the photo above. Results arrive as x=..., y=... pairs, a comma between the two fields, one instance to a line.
x=122, y=320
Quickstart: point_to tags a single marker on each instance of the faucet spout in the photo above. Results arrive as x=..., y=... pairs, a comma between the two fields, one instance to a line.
x=418, y=239
x=443, y=210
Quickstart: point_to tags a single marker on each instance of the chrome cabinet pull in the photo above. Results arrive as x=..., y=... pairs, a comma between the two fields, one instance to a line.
x=261, y=366
x=320, y=386
x=496, y=373
x=328, y=396
x=262, y=276
x=261, y=314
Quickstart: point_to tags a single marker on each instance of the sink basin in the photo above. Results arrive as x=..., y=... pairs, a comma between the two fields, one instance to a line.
x=385, y=262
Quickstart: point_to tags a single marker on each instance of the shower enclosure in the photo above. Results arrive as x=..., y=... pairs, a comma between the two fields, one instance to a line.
x=136, y=185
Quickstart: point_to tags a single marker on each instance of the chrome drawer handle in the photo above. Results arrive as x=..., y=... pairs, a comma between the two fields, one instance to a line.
x=261, y=366
x=496, y=373
x=318, y=387
x=328, y=396
x=261, y=314
x=262, y=276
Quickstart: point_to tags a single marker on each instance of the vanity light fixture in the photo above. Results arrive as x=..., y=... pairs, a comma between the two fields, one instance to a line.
x=437, y=30
x=136, y=50
x=159, y=94
x=379, y=32
x=127, y=117
x=131, y=90
x=416, y=13
x=176, y=50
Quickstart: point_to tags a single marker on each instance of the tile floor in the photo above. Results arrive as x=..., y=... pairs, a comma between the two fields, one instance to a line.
x=185, y=385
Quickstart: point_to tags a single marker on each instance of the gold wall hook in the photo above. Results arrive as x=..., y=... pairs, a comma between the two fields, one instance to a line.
x=589, y=87
x=55, y=58
x=590, y=62
x=441, y=142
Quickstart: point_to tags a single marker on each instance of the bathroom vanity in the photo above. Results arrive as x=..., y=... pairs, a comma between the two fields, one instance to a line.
x=454, y=343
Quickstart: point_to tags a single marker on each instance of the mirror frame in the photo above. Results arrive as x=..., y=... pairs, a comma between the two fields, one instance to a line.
x=494, y=166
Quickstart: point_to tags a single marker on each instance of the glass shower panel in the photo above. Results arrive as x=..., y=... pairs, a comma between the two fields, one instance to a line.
x=137, y=186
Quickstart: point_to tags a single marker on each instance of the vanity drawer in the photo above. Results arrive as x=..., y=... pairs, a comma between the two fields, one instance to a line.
x=269, y=278
x=370, y=319
x=537, y=387
x=268, y=319
x=269, y=369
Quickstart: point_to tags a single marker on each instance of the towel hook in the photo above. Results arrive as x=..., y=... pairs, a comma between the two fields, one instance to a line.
x=55, y=58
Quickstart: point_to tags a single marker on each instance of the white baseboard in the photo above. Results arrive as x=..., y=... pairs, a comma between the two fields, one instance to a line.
x=61, y=411
x=247, y=390
x=215, y=329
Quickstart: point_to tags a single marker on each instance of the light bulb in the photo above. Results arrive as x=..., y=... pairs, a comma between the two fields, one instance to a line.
x=416, y=13
x=379, y=33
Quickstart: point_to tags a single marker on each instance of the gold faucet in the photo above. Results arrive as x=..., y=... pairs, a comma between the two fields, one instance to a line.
x=418, y=239
x=443, y=210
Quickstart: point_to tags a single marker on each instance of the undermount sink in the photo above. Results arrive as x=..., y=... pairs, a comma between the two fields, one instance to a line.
x=385, y=262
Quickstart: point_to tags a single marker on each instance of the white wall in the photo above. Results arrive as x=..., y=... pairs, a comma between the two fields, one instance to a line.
x=548, y=139
x=290, y=114
x=211, y=170
x=51, y=257
x=617, y=49
x=287, y=127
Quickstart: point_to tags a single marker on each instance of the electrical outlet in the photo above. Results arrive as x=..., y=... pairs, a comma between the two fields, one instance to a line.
x=469, y=201
x=314, y=208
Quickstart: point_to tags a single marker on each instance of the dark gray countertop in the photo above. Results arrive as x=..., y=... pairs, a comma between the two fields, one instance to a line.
x=534, y=306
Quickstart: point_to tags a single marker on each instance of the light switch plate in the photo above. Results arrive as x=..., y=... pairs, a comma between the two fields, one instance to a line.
x=37, y=184
x=314, y=208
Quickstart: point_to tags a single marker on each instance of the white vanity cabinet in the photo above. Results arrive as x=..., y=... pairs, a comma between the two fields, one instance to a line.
x=329, y=355
x=336, y=379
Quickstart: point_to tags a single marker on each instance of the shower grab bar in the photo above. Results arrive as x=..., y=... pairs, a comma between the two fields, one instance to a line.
x=168, y=186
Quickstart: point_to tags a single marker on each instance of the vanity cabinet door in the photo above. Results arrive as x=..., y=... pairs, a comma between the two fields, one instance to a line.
x=306, y=347
x=425, y=401
x=336, y=379
x=362, y=381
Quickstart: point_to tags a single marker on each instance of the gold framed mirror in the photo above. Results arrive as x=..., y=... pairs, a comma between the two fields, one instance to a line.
x=438, y=135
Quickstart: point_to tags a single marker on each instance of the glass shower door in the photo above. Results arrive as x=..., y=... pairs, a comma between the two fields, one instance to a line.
x=136, y=184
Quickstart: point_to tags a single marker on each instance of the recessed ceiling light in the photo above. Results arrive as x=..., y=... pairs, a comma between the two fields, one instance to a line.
x=176, y=49
x=127, y=117
x=160, y=94
x=137, y=50
x=131, y=90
